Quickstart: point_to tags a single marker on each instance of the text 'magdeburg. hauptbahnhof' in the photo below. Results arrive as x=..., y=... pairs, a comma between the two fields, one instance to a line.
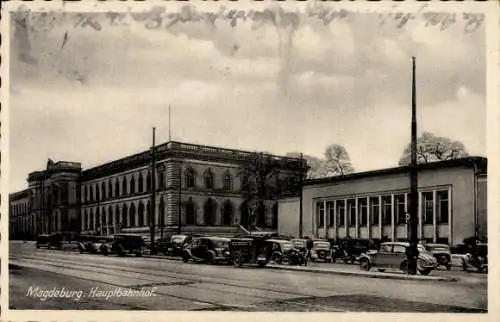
x=203, y=184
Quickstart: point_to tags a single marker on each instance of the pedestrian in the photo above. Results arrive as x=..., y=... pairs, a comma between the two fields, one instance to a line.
x=309, y=245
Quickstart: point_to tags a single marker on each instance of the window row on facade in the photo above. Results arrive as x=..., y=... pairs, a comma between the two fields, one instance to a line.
x=20, y=208
x=382, y=209
x=132, y=184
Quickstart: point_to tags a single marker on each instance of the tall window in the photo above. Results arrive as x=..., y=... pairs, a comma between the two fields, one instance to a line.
x=148, y=181
x=330, y=210
x=189, y=177
x=85, y=194
x=386, y=210
x=209, y=179
x=374, y=211
x=428, y=207
x=132, y=184
x=85, y=220
x=124, y=186
x=161, y=179
x=399, y=209
x=117, y=216
x=442, y=199
x=131, y=216
x=117, y=187
x=363, y=211
x=274, y=219
x=110, y=189
x=97, y=192
x=91, y=193
x=209, y=212
x=141, y=215
x=227, y=182
x=341, y=213
x=351, y=208
x=227, y=216
x=141, y=183
x=91, y=220
x=190, y=213
x=161, y=212
x=110, y=216
x=320, y=213
x=103, y=190
x=148, y=214
x=125, y=216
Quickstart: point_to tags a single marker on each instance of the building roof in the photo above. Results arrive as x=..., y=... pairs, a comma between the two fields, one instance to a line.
x=470, y=162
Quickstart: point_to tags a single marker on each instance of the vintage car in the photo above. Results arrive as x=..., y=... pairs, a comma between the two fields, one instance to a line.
x=300, y=244
x=123, y=244
x=479, y=261
x=249, y=249
x=43, y=240
x=393, y=255
x=55, y=240
x=174, y=245
x=321, y=251
x=210, y=250
x=441, y=252
x=283, y=251
x=92, y=244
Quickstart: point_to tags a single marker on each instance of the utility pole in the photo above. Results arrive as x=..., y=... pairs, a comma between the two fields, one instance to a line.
x=301, y=215
x=180, y=199
x=413, y=251
x=153, y=196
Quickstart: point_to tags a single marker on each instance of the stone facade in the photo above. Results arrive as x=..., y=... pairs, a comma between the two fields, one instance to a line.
x=374, y=204
x=196, y=186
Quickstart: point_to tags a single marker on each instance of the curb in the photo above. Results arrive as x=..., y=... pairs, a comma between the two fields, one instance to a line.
x=394, y=276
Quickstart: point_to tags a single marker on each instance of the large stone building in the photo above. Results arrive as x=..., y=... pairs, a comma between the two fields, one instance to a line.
x=199, y=187
x=373, y=205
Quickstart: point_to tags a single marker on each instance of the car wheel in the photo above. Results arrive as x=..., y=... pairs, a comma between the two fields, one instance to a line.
x=448, y=267
x=365, y=264
x=211, y=258
x=464, y=266
x=237, y=261
x=381, y=270
x=277, y=259
x=404, y=267
x=185, y=257
x=424, y=271
x=262, y=264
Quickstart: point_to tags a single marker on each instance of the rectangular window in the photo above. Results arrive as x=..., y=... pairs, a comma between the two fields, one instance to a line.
x=363, y=212
x=330, y=210
x=320, y=212
x=442, y=203
x=386, y=210
x=341, y=213
x=374, y=211
x=428, y=207
x=351, y=208
x=399, y=209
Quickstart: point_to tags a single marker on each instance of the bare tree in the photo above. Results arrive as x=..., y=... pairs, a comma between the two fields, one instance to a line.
x=432, y=148
x=337, y=161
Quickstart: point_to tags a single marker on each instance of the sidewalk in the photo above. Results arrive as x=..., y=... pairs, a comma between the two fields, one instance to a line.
x=360, y=273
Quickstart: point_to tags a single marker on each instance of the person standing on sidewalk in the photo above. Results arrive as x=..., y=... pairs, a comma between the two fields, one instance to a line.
x=309, y=245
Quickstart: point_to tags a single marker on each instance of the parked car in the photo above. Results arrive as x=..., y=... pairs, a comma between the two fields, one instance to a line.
x=283, y=251
x=321, y=251
x=393, y=255
x=479, y=260
x=211, y=250
x=43, y=240
x=123, y=244
x=249, y=249
x=174, y=245
x=93, y=244
x=441, y=252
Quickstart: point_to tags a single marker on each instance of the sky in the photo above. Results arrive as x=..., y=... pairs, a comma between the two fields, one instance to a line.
x=92, y=96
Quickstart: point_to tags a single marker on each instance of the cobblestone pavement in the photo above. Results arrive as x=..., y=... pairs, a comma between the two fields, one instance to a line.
x=174, y=285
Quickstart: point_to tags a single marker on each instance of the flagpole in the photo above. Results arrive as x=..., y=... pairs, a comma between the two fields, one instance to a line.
x=169, y=124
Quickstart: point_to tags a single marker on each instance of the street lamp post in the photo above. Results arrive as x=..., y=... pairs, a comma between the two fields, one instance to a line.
x=413, y=251
x=301, y=214
x=153, y=196
x=180, y=199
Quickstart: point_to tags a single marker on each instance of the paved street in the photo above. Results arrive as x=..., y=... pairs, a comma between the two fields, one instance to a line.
x=162, y=284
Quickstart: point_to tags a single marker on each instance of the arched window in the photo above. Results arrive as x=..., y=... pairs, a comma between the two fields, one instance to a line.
x=125, y=216
x=161, y=179
x=131, y=216
x=110, y=190
x=227, y=215
x=117, y=220
x=97, y=192
x=91, y=193
x=209, y=212
x=244, y=215
x=209, y=179
x=103, y=190
x=141, y=214
x=110, y=216
x=124, y=186
x=132, y=184
x=148, y=181
x=91, y=220
x=261, y=214
x=103, y=218
x=161, y=212
x=85, y=194
x=190, y=178
x=141, y=183
x=117, y=187
x=85, y=224
x=190, y=213
x=148, y=213
x=227, y=181
x=274, y=222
